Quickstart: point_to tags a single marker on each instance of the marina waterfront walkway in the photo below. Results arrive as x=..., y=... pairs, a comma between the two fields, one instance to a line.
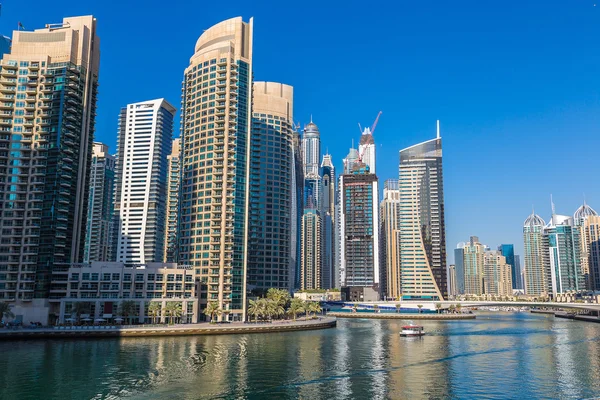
x=166, y=330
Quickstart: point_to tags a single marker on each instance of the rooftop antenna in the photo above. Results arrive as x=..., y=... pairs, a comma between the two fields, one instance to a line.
x=360, y=128
x=438, y=128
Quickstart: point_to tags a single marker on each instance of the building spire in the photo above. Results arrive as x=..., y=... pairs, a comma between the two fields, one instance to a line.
x=311, y=118
x=552, y=204
x=438, y=128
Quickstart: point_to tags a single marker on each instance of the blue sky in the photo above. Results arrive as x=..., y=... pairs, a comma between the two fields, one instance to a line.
x=515, y=83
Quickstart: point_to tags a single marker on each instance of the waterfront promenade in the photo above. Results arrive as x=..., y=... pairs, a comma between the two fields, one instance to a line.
x=388, y=315
x=68, y=332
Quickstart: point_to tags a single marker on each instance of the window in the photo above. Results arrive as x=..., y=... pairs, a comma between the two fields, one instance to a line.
x=127, y=277
x=139, y=277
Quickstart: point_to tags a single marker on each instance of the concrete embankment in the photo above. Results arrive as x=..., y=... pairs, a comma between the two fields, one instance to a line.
x=401, y=316
x=585, y=318
x=177, y=330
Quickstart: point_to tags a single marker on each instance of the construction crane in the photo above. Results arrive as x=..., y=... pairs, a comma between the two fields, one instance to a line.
x=360, y=155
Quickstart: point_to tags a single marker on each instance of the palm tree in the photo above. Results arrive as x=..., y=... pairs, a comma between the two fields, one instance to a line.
x=253, y=309
x=451, y=308
x=376, y=308
x=212, y=309
x=174, y=310
x=315, y=307
x=398, y=307
x=154, y=310
x=278, y=309
x=5, y=311
x=128, y=308
x=420, y=306
x=279, y=296
x=296, y=307
x=458, y=308
x=438, y=307
x=355, y=307
x=266, y=308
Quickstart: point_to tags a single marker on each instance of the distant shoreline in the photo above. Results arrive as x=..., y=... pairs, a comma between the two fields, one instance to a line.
x=167, y=330
x=401, y=316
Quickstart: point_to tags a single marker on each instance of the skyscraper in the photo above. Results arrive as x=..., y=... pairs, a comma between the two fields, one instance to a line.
x=311, y=149
x=497, y=274
x=366, y=150
x=271, y=258
x=562, y=242
x=216, y=123
x=519, y=269
x=473, y=264
x=360, y=229
x=98, y=236
x=452, y=289
x=45, y=190
x=422, y=227
x=144, y=142
x=390, y=239
x=172, y=219
x=311, y=246
x=297, y=210
x=588, y=222
x=459, y=266
x=328, y=221
x=535, y=274
x=508, y=251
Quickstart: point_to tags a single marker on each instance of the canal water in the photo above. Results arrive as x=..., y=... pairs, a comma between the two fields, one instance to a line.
x=496, y=356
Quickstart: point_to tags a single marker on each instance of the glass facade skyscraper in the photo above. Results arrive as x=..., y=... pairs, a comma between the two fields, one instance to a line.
x=328, y=219
x=215, y=126
x=48, y=87
x=271, y=258
x=98, y=236
x=508, y=251
x=360, y=229
x=422, y=226
x=535, y=274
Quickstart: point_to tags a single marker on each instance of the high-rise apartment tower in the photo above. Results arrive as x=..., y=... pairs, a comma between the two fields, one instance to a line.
x=215, y=126
x=145, y=137
x=271, y=258
x=48, y=85
x=98, y=236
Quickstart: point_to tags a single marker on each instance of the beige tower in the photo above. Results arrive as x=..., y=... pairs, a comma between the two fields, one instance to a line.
x=390, y=239
x=174, y=160
x=48, y=87
x=497, y=274
x=588, y=222
x=216, y=123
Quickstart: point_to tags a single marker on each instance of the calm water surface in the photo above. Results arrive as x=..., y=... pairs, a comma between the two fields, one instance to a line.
x=497, y=356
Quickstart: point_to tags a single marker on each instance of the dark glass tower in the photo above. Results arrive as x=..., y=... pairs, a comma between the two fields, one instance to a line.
x=271, y=257
x=508, y=251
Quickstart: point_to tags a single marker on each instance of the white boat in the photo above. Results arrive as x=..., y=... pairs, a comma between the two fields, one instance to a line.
x=412, y=330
